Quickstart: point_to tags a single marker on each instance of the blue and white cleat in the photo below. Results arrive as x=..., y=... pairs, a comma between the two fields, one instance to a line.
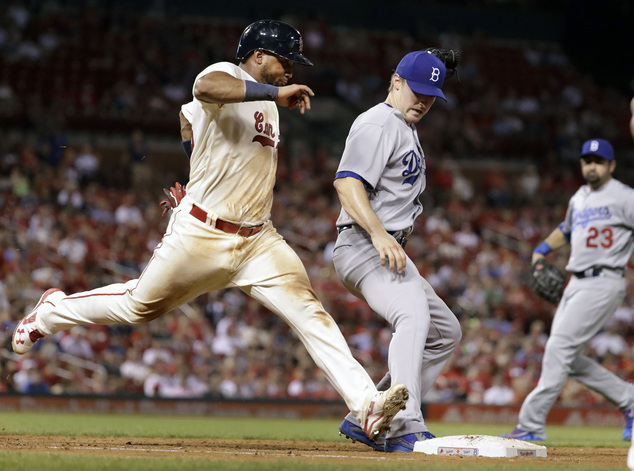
x=356, y=434
x=629, y=421
x=520, y=434
x=405, y=444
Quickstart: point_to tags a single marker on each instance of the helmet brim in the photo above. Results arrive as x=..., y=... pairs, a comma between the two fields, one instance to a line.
x=299, y=59
x=296, y=57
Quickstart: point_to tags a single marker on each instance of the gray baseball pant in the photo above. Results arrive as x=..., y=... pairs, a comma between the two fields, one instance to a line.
x=425, y=330
x=586, y=305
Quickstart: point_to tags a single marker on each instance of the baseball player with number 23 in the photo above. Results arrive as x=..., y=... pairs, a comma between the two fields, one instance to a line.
x=599, y=226
x=221, y=236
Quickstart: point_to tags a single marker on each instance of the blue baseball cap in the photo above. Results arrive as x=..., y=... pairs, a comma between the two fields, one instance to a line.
x=424, y=72
x=599, y=147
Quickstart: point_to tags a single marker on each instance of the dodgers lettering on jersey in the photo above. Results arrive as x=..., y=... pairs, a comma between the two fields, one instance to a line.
x=233, y=164
x=413, y=165
x=585, y=216
x=601, y=226
x=384, y=150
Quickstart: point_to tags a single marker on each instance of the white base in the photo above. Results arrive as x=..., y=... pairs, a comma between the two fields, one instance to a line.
x=480, y=445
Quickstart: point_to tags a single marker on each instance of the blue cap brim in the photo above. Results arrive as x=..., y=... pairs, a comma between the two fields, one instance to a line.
x=604, y=157
x=424, y=89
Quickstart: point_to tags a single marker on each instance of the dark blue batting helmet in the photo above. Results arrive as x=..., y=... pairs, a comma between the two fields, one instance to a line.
x=275, y=37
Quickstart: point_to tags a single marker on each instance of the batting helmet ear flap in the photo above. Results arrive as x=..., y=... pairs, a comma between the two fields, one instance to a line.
x=275, y=37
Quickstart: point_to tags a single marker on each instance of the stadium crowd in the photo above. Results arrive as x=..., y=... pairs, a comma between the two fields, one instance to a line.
x=68, y=221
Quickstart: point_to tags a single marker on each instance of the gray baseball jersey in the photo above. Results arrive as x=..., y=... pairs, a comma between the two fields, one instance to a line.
x=600, y=224
x=385, y=152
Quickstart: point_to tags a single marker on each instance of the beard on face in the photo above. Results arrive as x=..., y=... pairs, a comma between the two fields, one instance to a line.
x=271, y=78
x=592, y=177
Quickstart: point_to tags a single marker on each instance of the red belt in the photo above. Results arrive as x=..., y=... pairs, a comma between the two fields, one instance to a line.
x=225, y=226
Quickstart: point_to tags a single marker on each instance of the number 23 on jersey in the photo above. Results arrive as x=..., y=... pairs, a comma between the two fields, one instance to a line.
x=599, y=238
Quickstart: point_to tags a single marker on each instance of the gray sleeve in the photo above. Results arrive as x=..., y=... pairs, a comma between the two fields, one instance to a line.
x=628, y=209
x=566, y=225
x=367, y=151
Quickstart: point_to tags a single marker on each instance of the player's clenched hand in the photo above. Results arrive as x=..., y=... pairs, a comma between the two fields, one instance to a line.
x=390, y=252
x=295, y=96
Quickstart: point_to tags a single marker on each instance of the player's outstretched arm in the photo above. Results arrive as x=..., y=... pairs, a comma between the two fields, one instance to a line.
x=354, y=200
x=220, y=88
x=295, y=96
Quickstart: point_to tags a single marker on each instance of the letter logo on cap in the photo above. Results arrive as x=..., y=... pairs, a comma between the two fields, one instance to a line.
x=435, y=74
x=594, y=146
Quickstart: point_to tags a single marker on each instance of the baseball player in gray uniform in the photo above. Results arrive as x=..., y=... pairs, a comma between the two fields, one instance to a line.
x=379, y=181
x=221, y=235
x=599, y=227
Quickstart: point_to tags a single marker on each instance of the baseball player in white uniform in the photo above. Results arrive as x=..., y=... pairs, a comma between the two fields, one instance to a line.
x=599, y=226
x=221, y=236
x=379, y=181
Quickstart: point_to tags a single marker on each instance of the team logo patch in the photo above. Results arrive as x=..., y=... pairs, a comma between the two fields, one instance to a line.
x=265, y=141
x=412, y=163
x=435, y=74
x=266, y=128
x=587, y=215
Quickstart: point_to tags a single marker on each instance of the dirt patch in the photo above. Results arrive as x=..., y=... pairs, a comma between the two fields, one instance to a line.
x=292, y=451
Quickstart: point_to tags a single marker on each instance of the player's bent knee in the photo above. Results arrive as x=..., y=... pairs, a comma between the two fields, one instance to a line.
x=142, y=313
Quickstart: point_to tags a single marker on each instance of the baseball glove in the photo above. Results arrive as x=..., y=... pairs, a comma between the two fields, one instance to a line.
x=449, y=57
x=547, y=280
x=174, y=196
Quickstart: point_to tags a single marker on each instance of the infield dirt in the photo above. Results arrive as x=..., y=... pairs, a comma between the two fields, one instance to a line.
x=292, y=451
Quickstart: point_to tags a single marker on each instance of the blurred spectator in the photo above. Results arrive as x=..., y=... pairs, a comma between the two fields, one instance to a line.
x=133, y=367
x=498, y=393
x=67, y=221
x=86, y=165
x=128, y=213
x=609, y=340
x=139, y=167
x=76, y=344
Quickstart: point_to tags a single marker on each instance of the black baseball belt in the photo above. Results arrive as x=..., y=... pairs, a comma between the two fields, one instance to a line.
x=598, y=271
x=398, y=235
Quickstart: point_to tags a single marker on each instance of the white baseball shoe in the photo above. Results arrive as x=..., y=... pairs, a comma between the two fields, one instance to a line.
x=25, y=333
x=380, y=409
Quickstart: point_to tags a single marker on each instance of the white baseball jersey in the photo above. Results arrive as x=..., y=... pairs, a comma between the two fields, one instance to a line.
x=601, y=226
x=384, y=150
x=232, y=173
x=234, y=159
